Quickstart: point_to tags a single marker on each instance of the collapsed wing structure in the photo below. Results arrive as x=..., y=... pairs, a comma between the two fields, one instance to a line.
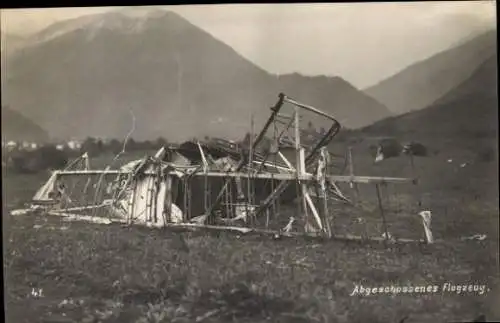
x=248, y=186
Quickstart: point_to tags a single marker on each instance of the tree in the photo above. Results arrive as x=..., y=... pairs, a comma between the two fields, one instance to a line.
x=89, y=146
x=115, y=146
x=131, y=144
x=160, y=142
x=99, y=145
x=46, y=157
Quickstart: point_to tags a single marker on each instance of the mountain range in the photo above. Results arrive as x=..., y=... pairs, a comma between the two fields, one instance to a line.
x=467, y=112
x=17, y=127
x=460, y=133
x=424, y=82
x=83, y=77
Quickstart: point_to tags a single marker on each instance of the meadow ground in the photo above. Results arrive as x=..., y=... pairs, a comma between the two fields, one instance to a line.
x=96, y=273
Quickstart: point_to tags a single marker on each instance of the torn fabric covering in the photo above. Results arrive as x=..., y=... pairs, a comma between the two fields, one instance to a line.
x=129, y=167
x=148, y=192
x=43, y=193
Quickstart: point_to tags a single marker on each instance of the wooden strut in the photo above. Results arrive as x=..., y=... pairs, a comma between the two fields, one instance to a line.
x=250, y=191
x=226, y=202
x=151, y=198
x=185, y=200
x=384, y=222
x=288, y=125
x=133, y=201
x=158, y=180
x=205, y=192
x=273, y=203
x=167, y=202
x=205, y=178
x=298, y=167
x=352, y=183
x=73, y=188
x=277, y=202
x=230, y=198
x=321, y=197
x=414, y=175
x=301, y=169
x=189, y=215
x=325, y=213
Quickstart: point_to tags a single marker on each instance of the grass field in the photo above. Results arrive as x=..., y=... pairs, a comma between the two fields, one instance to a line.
x=92, y=273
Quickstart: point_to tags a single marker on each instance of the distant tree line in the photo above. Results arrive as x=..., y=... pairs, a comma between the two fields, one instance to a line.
x=33, y=161
x=309, y=135
x=95, y=147
x=48, y=156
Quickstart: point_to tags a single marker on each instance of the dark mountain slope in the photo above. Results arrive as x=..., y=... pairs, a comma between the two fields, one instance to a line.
x=422, y=83
x=17, y=127
x=335, y=95
x=468, y=111
x=460, y=131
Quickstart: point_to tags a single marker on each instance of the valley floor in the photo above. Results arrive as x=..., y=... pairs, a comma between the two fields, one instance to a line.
x=92, y=273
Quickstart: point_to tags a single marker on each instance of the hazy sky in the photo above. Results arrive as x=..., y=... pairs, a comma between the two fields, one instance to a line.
x=363, y=42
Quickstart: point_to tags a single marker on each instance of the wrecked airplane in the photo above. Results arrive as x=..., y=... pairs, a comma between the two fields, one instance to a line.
x=218, y=184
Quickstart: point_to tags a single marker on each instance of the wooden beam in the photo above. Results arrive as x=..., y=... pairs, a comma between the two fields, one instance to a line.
x=90, y=172
x=299, y=167
x=272, y=165
x=243, y=230
x=274, y=195
x=285, y=116
x=371, y=179
x=277, y=176
x=87, y=218
x=376, y=239
x=351, y=166
x=313, y=209
x=83, y=208
x=167, y=203
x=250, y=191
x=272, y=117
x=203, y=159
x=287, y=162
x=308, y=107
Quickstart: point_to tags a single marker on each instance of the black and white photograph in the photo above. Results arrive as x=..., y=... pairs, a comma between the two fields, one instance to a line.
x=247, y=163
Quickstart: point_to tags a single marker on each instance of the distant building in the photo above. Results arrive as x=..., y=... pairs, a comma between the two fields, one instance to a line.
x=74, y=145
x=11, y=145
x=106, y=141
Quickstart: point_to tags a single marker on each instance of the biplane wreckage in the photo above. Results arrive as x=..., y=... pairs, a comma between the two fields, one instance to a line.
x=221, y=185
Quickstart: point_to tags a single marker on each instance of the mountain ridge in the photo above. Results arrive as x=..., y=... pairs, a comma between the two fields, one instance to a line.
x=470, y=110
x=168, y=70
x=17, y=127
x=418, y=85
